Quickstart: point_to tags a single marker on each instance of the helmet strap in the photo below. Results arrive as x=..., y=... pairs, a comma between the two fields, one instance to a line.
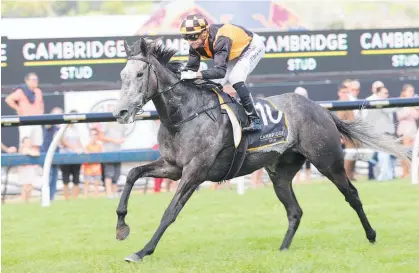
x=206, y=33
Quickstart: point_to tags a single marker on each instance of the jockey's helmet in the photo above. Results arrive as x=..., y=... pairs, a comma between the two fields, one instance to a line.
x=192, y=26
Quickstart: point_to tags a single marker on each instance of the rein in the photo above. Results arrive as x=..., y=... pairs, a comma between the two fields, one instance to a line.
x=178, y=124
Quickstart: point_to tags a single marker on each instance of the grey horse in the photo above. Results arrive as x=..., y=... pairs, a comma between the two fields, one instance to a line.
x=199, y=147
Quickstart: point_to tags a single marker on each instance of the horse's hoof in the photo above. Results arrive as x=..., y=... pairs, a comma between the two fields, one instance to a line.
x=133, y=258
x=372, y=237
x=122, y=232
x=282, y=249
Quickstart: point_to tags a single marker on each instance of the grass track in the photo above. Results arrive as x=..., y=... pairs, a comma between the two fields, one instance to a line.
x=219, y=232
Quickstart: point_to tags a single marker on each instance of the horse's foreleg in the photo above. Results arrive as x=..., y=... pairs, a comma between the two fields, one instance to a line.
x=159, y=169
x=192, y=177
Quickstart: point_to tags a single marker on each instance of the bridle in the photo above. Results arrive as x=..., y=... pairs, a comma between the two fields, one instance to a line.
x=150, y=67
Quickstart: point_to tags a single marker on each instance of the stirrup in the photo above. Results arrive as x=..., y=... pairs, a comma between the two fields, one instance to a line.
x=254, y=125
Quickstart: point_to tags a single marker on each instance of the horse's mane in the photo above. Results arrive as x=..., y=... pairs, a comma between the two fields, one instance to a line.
x=157, y=49
x=163, y=55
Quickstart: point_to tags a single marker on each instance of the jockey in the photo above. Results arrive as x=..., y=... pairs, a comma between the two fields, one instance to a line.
x=236, y=52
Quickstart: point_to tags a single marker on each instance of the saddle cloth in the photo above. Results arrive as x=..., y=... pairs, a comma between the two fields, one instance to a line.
x=273, y=121
x=274, y=128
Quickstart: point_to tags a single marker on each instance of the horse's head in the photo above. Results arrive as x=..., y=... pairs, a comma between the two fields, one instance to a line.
x=140, y=82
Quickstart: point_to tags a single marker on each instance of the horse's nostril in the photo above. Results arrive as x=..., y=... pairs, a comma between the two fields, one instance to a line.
x=123, y=113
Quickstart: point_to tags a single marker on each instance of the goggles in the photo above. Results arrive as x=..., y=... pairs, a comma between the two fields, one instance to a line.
x=191, y=37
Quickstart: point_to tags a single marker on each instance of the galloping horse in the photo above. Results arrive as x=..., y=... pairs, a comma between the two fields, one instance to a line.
x=196, y=140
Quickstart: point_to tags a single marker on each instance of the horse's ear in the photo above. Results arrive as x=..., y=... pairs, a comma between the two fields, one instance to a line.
x=143, y=46
x=127, y=48
x=158, y=42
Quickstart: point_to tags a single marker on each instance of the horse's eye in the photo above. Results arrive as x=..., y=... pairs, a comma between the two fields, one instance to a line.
x=140, y=74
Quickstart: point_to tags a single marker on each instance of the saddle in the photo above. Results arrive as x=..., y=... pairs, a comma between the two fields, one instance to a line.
x=274, y=125
x=232, y=101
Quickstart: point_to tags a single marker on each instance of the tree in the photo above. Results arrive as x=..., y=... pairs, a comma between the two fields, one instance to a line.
x=21, y=9
x=26, y=9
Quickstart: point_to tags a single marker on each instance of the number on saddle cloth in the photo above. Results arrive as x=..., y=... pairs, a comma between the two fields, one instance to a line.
x=274, y=126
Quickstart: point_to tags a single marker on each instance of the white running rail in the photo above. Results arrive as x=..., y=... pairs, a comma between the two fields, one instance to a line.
x=47, y=165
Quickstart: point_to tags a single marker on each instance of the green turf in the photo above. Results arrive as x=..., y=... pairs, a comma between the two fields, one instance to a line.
x=219, y=232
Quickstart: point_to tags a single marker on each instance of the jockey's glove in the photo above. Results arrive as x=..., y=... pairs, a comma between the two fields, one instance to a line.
x=188, y=75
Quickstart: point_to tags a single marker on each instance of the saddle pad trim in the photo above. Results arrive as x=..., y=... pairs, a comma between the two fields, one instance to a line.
x=237, y=130
x=276, y=143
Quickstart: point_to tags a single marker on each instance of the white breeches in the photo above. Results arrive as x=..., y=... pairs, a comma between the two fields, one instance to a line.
x=239, y=69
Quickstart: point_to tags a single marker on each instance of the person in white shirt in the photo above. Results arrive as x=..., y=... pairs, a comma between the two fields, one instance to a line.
x=374, y=87
x=383, y=124
x=354, y=88
x=373, y=161
x=301, y=91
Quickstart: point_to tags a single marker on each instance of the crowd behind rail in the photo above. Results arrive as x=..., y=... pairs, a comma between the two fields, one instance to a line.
x=27, y=99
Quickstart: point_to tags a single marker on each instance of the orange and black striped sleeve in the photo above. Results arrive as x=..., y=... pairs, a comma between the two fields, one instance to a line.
x=222, y=49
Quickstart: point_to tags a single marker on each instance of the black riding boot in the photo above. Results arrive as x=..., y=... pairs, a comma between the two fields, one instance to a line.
x=249, y=107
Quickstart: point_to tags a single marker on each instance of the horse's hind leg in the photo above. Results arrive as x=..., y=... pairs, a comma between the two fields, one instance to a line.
x=281, y=174
x=322, y=147
x=336, y=173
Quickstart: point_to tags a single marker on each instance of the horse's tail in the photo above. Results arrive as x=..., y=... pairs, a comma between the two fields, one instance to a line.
x=360, y=130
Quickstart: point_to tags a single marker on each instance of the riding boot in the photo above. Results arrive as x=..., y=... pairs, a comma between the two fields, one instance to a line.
x=249, y=107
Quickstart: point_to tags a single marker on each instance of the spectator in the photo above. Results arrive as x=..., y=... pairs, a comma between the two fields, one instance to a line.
x=307, y=166
x=27, y=174
x=26, y=100
x=171, y=184
x=256, y=178
x=374, y=160
x=157, y=184
x=48, y=132
x=407, y=127
x=71, y=143
x=374, y=87
x=301, y=91
x=92, y=171
x=346, y=84
x=113, y=135
x=348, y=115
x=9, y=150
x=355, y=88
x=157, y=180
x=383, y=124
